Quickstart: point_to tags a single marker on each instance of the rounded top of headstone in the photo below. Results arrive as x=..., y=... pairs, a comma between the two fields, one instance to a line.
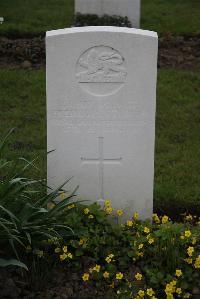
x=101, y=29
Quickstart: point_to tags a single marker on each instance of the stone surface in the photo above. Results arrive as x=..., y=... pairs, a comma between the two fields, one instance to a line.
x=101, y=100
x=124, y=8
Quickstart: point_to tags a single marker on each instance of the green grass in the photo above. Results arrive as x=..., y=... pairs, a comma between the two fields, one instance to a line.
x=177, y=163
x=22, y=102
x=176, y=16
x=33, y=17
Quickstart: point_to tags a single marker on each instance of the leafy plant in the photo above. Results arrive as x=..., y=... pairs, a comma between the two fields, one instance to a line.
x=28, y=216
x=153, y=258
x=105, y=20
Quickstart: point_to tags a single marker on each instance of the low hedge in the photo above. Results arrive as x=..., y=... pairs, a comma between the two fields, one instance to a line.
x=105, y=20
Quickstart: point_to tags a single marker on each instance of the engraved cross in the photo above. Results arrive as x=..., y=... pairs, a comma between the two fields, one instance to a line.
x=100, y=160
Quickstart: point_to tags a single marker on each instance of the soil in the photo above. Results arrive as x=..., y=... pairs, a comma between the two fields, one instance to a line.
x=60, y=284
x=56, y=283
x=180, y=52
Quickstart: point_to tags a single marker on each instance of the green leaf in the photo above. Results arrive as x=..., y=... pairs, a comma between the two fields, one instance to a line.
x=12, y=262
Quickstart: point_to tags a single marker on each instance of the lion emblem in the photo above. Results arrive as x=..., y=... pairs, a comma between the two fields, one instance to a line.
x=101, y=66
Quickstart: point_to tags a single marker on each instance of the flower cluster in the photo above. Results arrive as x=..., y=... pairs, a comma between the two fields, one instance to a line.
x=107, y=207
x=161, y=255
x=63, y=253
x=109, y=258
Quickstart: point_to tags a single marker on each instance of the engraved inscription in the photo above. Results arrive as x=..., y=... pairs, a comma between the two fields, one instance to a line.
x=99, y=66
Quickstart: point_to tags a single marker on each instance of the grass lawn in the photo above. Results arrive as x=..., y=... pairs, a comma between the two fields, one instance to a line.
x=32, y=17
x=22, y=102
x=177, y=16
x=177, y=176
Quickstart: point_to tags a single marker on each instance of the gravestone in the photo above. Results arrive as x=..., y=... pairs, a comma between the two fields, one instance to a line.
x=101, y=100
x=123, y=8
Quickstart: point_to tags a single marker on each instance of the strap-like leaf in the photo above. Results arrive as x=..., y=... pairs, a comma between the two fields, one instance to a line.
x=12, y=262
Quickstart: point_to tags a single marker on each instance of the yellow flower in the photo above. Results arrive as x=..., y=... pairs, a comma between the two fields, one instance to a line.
x=197, y=262
x=107, y=203
x=188, y=217
x=129, y=223
x=150, y=292
x=64, y=249
x=178, y=273
x=141, y=293
x=169, y=288
x=63, y=256
x=188, y=260
x=178, y=291
x=146, y=230
x=188, y=233
x=106, y=275
x=109, y=258
x=109, y=210
x=62, y=195
x=194, y=241
x=97, y=268
x=165, y=219
x=119, y=276
x=90, y=270
x=119, y=212
x=57, y=250
x=186, y=296
x=135, y=216
x=140, y=246
x=156, y=218
x=190, y=250
x=85, y=276
x=138, y=276
x=86, y=211
x=173, y=282
x=70, y=255
x=90, y=216
x=151, y=241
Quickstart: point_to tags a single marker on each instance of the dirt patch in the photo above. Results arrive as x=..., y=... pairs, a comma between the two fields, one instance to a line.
x=61, y=283
x=22, y=53
x=181, y=52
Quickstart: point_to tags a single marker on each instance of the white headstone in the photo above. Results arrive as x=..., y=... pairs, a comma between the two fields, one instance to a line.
x=101, y=100
x=123, y=8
